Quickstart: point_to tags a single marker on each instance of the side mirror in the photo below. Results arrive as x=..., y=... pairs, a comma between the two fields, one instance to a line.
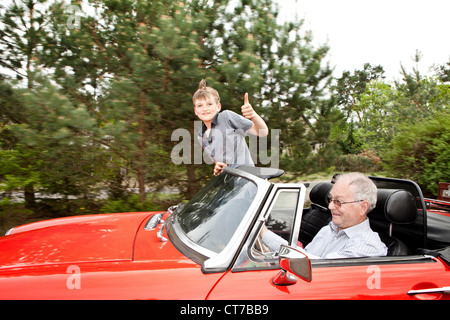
x=293, y=261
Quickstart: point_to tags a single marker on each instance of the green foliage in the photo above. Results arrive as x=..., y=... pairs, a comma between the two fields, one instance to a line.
x=92, y=107
x=132, y=203
x=348, y=138
x=12, y=214
x=104, y=96
x=398, y=121
x=381, y=107
x=443, y=72
x=422, y=153
x=350, y=86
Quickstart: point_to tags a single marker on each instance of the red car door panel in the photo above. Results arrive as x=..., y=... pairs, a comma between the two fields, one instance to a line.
x=368, y=281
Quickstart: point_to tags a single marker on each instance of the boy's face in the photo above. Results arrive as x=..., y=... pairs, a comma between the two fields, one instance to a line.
x=206, y=109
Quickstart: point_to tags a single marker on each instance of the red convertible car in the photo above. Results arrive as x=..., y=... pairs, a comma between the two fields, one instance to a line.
x=208, y=248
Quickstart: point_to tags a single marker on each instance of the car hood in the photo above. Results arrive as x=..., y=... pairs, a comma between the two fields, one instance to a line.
x=108, y=237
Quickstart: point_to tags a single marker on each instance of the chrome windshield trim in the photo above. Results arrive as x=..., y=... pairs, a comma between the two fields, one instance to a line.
x=219, y=261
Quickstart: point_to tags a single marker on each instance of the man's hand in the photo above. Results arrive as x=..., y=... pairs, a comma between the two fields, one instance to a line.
x=219, y=168
x=247, y=109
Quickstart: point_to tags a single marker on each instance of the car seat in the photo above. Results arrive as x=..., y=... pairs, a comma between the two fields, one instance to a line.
x=318, y=215
x=394, y=207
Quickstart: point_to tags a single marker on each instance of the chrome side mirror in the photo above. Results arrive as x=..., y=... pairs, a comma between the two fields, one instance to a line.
x=293, y=261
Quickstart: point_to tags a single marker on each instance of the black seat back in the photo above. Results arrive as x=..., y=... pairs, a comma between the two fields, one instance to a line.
x=318, y=215
x=319, y=194
x=394, y=207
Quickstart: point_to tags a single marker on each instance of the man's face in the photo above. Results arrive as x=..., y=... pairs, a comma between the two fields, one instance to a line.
x=206, y=109
x=348, y=214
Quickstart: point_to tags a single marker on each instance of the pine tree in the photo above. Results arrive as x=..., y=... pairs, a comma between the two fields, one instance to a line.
x=19, y=47
x=48, y=143
x=114, y=78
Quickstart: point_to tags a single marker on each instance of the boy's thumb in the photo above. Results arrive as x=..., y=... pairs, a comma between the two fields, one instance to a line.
x=246, y=98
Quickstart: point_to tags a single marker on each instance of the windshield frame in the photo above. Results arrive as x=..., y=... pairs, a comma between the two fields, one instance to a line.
x=217, y=262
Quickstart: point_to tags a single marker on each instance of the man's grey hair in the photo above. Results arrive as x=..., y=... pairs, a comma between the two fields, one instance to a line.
x=362, y=186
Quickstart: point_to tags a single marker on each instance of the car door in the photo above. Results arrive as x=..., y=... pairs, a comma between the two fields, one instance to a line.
x=410, y=277
x=397, y=277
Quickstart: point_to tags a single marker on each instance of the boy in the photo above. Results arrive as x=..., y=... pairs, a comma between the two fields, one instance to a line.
x=223, y=133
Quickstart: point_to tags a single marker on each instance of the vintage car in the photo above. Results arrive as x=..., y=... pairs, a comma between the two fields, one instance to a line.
x=209, y=248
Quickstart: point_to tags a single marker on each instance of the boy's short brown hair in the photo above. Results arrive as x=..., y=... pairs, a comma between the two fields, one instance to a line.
x=203, y=92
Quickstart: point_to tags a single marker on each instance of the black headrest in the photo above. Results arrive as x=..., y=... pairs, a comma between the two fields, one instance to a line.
x=319, y=193
x=397, y=206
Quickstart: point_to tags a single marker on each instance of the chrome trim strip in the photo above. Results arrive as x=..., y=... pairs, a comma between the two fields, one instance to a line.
x=444, y=290
x=326, y=263
x=9, y=232
x=299, y=214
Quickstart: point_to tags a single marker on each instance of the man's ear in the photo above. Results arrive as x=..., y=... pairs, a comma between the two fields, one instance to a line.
x=364, y=207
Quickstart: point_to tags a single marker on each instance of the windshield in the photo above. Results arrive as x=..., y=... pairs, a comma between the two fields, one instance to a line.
x=212, y=216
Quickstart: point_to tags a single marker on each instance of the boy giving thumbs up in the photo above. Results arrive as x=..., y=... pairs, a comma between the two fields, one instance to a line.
x=223, y=133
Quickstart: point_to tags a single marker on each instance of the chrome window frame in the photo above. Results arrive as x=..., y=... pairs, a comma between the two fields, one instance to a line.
x=264, y=214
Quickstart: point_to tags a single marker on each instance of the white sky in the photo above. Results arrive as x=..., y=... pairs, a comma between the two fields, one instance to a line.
x=385, y=32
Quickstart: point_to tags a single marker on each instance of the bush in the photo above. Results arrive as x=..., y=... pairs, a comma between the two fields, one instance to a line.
x=129, y=204
x=366, y=161
x=422, y=153
x=13, y=215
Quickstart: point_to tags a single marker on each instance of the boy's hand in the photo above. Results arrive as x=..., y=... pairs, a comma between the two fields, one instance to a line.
x=219, y=168
x=247, y=109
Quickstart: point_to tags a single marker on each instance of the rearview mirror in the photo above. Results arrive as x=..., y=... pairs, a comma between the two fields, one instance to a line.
x=293, y=261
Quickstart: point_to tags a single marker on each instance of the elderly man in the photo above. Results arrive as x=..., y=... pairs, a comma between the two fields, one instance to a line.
x=348, y=235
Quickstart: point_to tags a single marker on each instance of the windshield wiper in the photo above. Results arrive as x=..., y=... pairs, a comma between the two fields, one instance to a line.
x=156, y=219
x=177, y=208
x=172, y=210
